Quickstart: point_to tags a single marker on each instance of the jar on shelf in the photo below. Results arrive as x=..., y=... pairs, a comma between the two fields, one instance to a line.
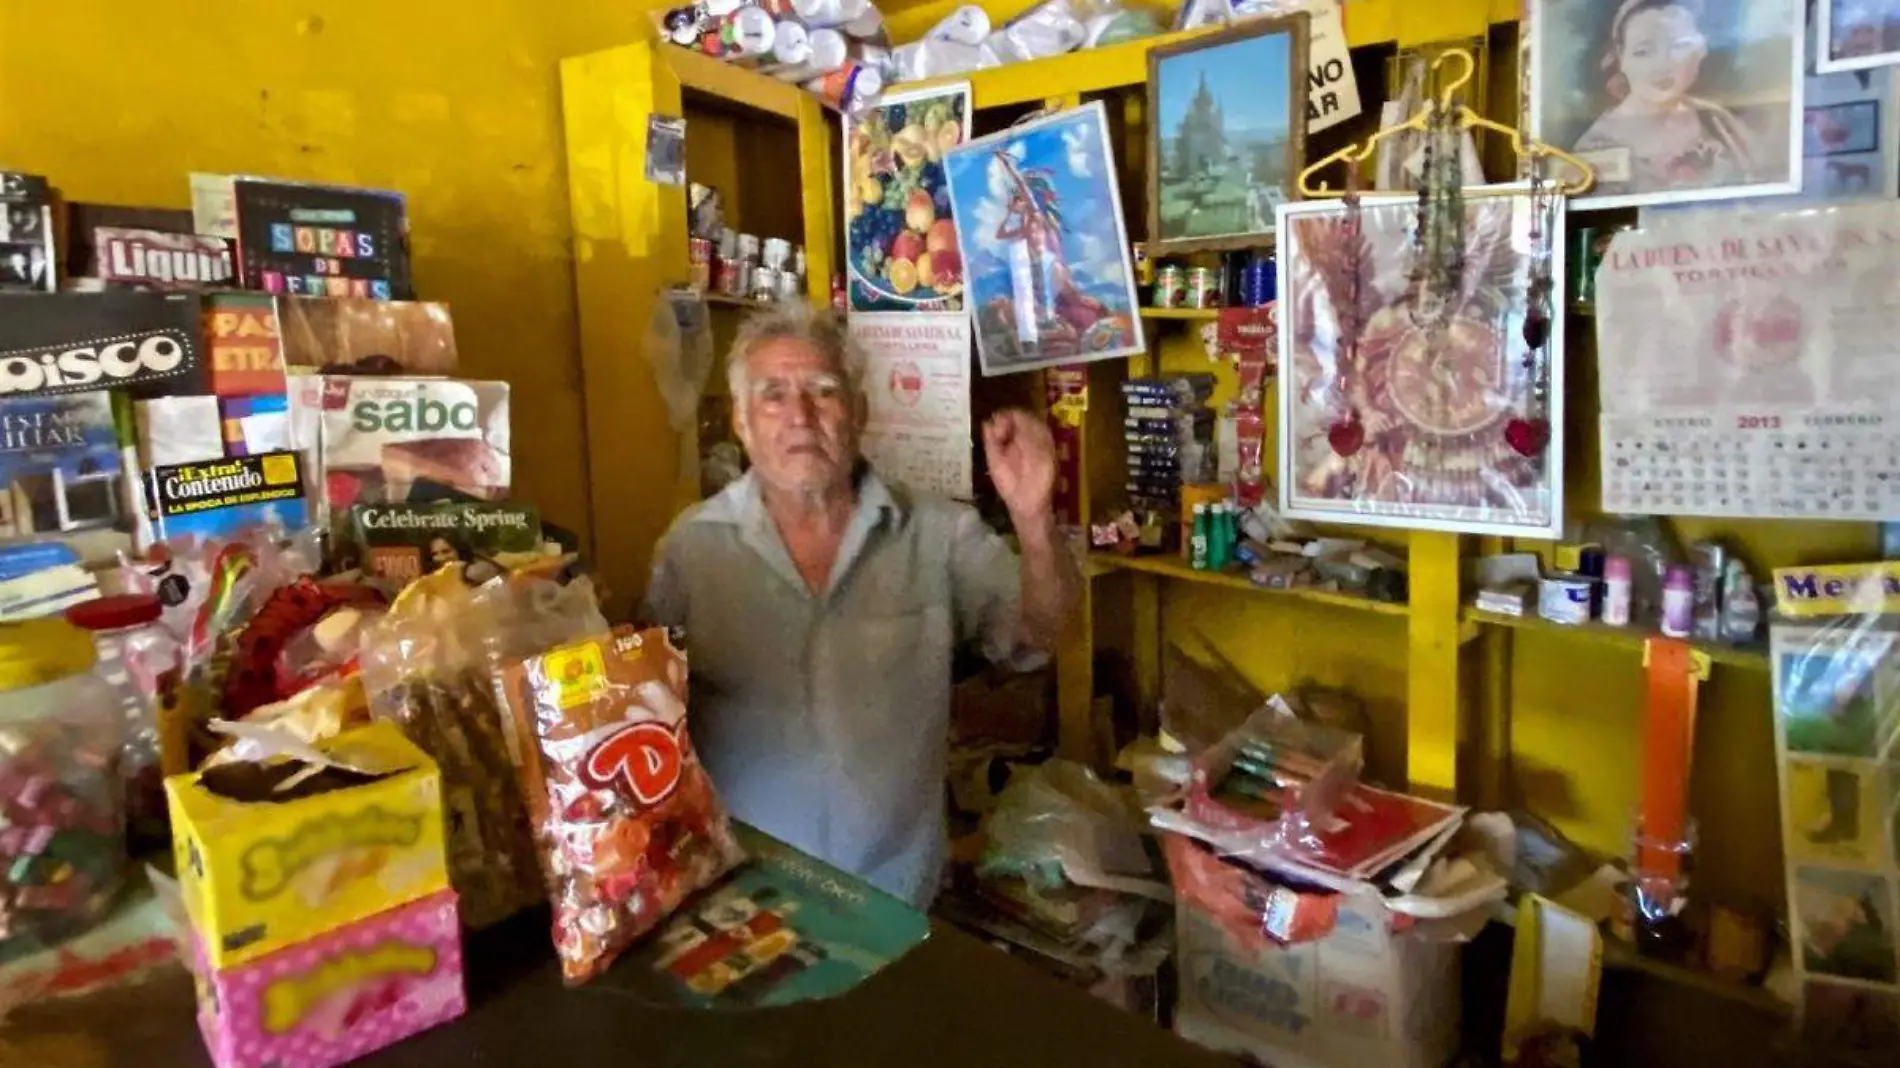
x=62, y=816
x=136, y=655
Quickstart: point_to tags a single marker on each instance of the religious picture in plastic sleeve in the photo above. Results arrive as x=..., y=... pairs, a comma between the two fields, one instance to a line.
x=1857, y=34
x=1447, y=408
x=901, y=249
x=1046, y=258
x=1672, y=101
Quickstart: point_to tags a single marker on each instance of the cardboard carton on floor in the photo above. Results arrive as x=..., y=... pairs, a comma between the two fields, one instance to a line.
x=1363, y=994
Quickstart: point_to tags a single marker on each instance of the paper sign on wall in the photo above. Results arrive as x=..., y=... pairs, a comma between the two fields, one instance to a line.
x=917, y=379
x=1332, y=90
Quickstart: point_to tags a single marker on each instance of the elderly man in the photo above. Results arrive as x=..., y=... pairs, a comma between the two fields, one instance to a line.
x=822, y=605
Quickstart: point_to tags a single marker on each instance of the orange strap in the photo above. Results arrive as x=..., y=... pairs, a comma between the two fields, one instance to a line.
x=1668, y=752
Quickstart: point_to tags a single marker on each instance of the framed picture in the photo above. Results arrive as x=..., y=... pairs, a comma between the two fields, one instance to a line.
x=1841, y=129
x=1436, y=383
x=1850, y=127
x=1228, y=136
x=1856, y=34
x=1671, y=101
x=1047, y=277
x=900, y=247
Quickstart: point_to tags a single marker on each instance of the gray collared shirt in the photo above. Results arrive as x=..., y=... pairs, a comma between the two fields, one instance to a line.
x=824, y=717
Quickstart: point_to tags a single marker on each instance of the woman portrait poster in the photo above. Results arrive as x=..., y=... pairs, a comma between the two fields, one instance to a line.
x=1672, y=101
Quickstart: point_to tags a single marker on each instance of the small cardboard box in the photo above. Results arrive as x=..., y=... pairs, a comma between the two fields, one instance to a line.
x=1364, y=994
x=339, y=996
x=259, y=875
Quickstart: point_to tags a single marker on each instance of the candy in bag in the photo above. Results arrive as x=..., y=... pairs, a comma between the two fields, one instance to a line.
x=624, y=814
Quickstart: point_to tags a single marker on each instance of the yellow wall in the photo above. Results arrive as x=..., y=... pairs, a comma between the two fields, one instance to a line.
x=456, y=104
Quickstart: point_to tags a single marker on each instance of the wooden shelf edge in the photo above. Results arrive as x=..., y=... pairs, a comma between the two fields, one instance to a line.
x=1206, y=314
x=1754, y=659
x=1171, y=567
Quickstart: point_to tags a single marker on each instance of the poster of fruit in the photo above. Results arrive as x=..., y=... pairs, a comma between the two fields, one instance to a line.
x=1405, y=407
x=900, y=244
x=1046, y=257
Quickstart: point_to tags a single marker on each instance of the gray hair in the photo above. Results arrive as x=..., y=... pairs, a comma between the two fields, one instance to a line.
x=822, y=329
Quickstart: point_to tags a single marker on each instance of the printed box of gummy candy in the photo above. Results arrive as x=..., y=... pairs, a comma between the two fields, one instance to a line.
x=262, y=868
x=339, y=996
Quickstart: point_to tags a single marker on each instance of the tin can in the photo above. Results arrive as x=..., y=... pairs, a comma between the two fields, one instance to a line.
x=1203, y=288
x=1260, y=282
x=749, y=247
x=776, y=252
x=764, y=283
x=699, y=263
x=1170, y=287
x=790, y=286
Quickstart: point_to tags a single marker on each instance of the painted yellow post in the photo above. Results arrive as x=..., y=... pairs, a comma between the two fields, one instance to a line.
x=817, y=161
x=1432, y=679
x=629, y=240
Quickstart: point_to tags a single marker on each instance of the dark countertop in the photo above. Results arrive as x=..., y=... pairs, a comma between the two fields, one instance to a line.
x=952, y=1001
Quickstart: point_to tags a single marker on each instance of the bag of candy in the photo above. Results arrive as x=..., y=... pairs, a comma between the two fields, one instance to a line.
x=625, y=815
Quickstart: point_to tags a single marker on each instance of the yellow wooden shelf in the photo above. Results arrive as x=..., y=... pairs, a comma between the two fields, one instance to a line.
x=1632, y=638
x=1368, y=22
x=1205, y=314
x=1173, y=567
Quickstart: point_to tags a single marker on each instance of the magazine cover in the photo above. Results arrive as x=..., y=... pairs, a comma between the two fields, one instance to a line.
x=312, y=240
x=247, y=353
x=368, y=337
x=405, y=541
x=782, y=929
x=412, y=439
x=124, y=258
x=146, y=344
x=224, y=497
x=27, y=263
x=59, y=464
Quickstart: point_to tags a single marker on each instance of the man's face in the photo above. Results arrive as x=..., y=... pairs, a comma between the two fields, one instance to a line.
x=799, y=423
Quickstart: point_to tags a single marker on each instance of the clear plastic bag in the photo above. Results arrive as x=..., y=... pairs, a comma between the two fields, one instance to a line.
x=430, y=667
x=1058, y=824
x=625, y=816
x=1277, y=778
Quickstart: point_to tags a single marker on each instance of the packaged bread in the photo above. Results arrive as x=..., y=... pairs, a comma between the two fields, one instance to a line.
x=625, y=816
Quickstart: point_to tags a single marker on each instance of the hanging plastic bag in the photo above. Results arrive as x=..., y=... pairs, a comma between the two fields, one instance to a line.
x=679, y=346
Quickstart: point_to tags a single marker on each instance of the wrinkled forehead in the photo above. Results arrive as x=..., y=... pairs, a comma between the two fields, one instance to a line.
x=789, y=357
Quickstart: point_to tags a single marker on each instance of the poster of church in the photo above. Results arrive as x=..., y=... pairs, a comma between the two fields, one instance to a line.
x=1227, y=139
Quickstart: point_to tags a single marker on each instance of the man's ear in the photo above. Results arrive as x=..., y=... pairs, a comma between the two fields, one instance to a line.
x=738, y=425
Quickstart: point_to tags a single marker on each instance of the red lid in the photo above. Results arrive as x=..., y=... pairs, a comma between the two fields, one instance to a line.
x=115, y=613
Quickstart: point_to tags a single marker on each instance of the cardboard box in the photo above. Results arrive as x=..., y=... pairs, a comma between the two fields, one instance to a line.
x=340, y=996
x=261, y=875
x=1364, y=994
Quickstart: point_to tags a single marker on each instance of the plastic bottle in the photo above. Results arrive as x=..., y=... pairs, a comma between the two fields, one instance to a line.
x=1197, y=539
x=1229, y=533
x=1616, y=591
x=1217, y=536
x=1678, y=607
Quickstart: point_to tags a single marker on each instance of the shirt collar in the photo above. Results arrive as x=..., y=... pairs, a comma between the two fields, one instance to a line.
x=741, y=503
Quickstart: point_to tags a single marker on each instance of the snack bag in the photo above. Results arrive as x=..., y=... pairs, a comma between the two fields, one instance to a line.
x=624, y=813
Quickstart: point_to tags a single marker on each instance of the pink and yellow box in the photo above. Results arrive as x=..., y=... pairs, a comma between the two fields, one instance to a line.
x=339, y=996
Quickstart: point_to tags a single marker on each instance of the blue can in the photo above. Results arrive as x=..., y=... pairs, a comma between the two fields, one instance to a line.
x=1260, y=282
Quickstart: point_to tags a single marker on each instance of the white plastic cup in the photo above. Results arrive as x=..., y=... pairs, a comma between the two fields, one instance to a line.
x=791, y=43
x=967, y=25
x=828, y=52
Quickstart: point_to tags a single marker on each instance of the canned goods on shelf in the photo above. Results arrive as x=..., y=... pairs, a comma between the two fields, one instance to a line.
x=1170, y=287
x=1203, y=288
